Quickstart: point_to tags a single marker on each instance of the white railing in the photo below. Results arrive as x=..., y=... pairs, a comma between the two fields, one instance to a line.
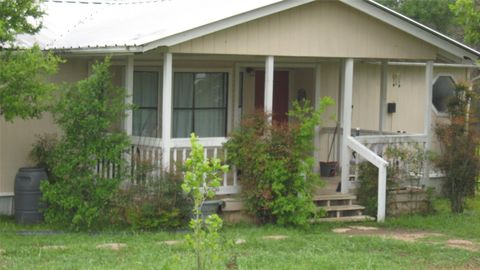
x=373, y=148
x=149, y=150
x=381, y=164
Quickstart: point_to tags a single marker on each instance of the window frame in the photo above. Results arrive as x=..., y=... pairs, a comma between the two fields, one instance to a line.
x=229, y=95
x=437, y=76
x=159, y=70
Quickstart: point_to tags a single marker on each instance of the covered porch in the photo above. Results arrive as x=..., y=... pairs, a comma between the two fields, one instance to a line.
x=176, y=94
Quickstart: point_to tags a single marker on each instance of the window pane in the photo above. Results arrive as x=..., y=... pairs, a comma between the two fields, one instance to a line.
x=145, y=122
x=145, y=88
x=182, y=123
x=183, y=90
x=210, y=122
x=210, y=90
x=443, y=89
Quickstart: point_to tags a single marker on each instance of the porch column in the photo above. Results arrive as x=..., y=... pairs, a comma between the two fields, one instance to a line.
x=268, y=102
x=167, y=110
x=317, y=105
x=427, y=129
x=128, y=123
x=383, y=96
x=347, y=121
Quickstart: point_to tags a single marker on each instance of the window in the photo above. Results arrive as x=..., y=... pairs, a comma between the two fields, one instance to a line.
x=443, y=89
x=146, y=97
x=199, y=104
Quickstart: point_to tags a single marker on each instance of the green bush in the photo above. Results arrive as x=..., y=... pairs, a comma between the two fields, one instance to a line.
x=78, y=197
x=41, y=152
x=459, y=140
x=276, y=164
x=157, y=203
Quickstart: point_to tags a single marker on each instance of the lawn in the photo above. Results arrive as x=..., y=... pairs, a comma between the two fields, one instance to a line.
x=317, y=247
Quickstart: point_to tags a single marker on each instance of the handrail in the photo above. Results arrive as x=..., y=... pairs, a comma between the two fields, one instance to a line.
x=397, y=138
x=365, y=152
x=381, y=164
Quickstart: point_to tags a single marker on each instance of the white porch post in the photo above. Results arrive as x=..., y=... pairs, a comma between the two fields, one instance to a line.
x=383, y=96
x=268, y=101
x=347, y=121
x=167, y=109
x=128, y=124
x=428, y=115
x=317, y=128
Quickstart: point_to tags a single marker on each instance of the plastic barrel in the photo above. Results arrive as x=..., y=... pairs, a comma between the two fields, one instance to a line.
x=28, y=194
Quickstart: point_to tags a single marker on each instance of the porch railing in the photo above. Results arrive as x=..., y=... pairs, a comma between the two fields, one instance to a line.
x=372, y=148
x=149, y=151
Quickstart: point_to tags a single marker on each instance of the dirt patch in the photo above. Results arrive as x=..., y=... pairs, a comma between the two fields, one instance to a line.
x=406, y=236
x=397, y=234
x=54, y=247
x=275, y=237
x=463, y=244
x=112, y=246
x=240, y=241
x=171, y=242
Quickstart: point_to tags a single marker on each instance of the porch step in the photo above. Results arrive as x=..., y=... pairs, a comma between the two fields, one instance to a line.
x=334, y=199
x=343, y=219
x=340, y=207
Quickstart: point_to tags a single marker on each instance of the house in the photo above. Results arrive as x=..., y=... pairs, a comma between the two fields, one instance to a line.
x=200, y=65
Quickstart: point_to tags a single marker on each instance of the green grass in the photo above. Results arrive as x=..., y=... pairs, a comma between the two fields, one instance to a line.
x=316, y=247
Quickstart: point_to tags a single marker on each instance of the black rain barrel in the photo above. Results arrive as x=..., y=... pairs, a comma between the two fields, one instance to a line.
x=28, y=194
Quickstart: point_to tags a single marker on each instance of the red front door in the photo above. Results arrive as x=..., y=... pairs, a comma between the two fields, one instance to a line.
x=280, y=94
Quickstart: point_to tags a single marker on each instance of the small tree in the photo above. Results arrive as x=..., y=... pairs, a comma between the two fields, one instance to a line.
x=458, y=159
x=201, y=178
x=78, y=196
x=24, y=90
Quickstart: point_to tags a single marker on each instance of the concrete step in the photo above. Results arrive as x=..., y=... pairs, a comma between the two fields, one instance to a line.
x=343, y=219
x=335, y=208
x=334, y=197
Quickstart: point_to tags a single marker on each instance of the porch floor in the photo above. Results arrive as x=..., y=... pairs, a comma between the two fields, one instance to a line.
x=330, y=187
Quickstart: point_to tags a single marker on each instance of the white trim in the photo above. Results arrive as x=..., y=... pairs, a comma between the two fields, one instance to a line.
x=223, y=24
x=428, y=114
x=128, y=124
x=269, y=73
x=383, y=96
x=347, y=121
x=205, y=141
x=437, y=76
x=167, y=109
x=390, y=139
x=316, y=98
x=6, y=194
x=412, y=27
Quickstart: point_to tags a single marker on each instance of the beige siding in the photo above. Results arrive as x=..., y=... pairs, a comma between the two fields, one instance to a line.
x=16, y=138
x=319, y=29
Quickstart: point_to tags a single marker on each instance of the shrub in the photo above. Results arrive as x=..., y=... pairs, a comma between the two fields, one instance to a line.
x=79, y=197
x=41, y=152
x=459, y=140
x=276, y=164
x=156, y=203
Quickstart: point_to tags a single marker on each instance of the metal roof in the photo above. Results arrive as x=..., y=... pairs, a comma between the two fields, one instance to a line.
x=125, y=23
x=140, y=25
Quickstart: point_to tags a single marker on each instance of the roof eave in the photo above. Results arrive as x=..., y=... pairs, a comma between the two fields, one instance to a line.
x=414, y=28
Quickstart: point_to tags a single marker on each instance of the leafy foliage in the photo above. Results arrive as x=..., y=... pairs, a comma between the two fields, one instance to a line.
x=78, y=196
x=433, y=13
x=158, y=203
x=202, y=176
x=24, y=91
x=459, y=141
x=276, y=164
x=467, y=14
x=42, y=150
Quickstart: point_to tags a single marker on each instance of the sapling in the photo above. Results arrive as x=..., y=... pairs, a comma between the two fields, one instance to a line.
x=202, y=177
